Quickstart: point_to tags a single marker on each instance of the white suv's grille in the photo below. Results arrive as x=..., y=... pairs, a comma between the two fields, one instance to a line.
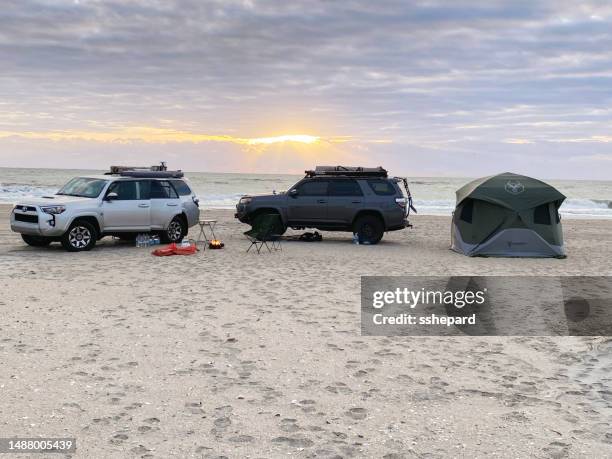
x=26, y=218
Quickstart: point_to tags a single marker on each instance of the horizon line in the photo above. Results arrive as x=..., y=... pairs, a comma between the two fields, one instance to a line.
x=300, y=173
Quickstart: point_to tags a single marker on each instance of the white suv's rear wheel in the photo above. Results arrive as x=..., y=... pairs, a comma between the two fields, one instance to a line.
x=80, y=236
x=176, y=230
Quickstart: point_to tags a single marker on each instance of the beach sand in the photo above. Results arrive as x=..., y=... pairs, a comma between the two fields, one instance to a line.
x=231, y=354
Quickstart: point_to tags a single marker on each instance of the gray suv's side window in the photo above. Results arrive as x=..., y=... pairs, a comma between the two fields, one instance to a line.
x=382, y=187
x=313, y=188
x=344, y=188
x=125, y=189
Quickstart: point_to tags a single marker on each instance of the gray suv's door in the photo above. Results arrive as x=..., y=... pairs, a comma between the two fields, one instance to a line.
x=309, y=204
x=344, y=200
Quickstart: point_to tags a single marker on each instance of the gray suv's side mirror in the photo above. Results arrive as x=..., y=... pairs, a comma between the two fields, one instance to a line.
x=293, y=192
x=111, y=196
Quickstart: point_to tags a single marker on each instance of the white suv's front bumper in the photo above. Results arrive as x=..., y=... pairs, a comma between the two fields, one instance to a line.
x=27, y=219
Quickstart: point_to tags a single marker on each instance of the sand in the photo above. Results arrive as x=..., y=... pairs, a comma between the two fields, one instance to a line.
x=243, y=355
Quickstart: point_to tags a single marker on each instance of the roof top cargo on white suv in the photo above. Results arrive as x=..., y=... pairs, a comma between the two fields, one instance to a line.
x=122, y=202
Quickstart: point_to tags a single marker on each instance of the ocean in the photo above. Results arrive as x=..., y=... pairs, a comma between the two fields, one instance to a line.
x=432, y=195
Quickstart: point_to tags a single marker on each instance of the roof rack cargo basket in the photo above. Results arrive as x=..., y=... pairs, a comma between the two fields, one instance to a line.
x=159, y=171
x=347, y=171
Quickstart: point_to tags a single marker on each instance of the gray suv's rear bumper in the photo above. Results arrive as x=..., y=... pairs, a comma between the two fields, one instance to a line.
x=404, y=224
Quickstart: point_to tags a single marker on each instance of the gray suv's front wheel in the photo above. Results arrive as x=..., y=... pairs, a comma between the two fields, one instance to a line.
x=81, y=236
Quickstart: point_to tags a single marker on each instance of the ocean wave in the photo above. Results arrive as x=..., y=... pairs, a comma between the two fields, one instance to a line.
x=597, y=208
x=605, y=202
x=12, y=192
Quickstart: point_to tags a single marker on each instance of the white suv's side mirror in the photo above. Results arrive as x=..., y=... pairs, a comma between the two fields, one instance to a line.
x=111, y=196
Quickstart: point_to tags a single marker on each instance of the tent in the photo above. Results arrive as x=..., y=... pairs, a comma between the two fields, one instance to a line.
x=508, y=215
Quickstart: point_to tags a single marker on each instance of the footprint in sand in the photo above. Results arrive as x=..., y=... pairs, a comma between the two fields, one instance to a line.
x=295, y=442
x=194, y=407
x=289, y=425
x=241, y=439
x=118, y=438
x=357, y=413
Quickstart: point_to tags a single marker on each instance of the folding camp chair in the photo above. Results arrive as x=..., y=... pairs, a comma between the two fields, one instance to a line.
x=264, y=231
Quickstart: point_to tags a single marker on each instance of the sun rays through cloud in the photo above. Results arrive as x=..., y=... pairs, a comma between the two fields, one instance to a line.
x=161, y=135
x=301, y=138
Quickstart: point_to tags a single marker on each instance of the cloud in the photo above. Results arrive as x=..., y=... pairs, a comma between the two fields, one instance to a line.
x=430, y=80
x=518, y=141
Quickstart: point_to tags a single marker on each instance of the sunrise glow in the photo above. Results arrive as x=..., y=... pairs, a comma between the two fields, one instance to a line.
x=158, y=135
x=284, y=138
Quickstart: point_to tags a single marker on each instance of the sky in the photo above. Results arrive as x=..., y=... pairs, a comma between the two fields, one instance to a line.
x=423, y=88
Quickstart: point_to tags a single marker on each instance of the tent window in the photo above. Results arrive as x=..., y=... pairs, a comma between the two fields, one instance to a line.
x=467, y=210
x=541, y=215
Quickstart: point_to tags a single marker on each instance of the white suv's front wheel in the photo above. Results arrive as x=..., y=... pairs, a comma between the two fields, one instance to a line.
x=36, y=241
x=80, y=236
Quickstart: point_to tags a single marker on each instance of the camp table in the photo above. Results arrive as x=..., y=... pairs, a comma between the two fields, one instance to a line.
x=202, y=236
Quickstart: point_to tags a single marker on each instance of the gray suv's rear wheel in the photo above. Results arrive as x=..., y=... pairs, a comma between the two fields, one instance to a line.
x=81, y=236
x=36, y=241
x=369, y=228
x=176, y=230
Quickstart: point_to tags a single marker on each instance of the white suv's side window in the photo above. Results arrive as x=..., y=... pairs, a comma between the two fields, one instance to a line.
x=162, y=189
x=126, y=190
x=144, y=189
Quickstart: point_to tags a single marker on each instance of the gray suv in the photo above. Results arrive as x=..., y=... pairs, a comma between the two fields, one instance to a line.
x=364, y=201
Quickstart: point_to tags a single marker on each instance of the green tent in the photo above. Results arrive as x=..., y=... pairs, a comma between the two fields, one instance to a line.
x=508, y=215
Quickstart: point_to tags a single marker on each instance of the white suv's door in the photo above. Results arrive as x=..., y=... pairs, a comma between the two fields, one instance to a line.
x=165, y=204
x=127, y=211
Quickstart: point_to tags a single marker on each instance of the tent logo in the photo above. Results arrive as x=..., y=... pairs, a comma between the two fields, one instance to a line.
x=514, y=187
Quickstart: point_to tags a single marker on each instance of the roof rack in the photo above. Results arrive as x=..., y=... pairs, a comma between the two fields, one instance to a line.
x=347, y=171
x=159, y=171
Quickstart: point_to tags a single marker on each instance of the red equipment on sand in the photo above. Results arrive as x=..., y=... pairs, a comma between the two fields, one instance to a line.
x=174, y=249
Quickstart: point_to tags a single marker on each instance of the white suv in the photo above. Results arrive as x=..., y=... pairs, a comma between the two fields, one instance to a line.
x=89, y=208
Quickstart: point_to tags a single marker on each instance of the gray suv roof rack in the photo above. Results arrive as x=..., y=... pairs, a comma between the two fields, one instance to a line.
x=347, y=171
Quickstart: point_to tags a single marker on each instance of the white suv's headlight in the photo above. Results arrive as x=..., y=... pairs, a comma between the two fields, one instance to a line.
x=53, y=210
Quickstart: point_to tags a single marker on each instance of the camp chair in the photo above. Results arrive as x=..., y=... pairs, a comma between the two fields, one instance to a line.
x=263, y=231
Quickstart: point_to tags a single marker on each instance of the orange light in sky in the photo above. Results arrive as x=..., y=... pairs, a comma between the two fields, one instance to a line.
x=158, y=135
x=301, y=138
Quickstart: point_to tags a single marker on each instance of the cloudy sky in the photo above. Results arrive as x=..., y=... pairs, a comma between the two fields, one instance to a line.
x=461, y=88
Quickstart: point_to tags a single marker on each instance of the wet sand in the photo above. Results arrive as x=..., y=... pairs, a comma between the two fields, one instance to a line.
x=231, y=354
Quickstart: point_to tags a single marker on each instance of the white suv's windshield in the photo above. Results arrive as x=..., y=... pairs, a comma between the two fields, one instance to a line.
x=83, y=187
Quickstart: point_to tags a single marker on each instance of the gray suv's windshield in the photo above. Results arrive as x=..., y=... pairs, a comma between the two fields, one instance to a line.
x=83, y=187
